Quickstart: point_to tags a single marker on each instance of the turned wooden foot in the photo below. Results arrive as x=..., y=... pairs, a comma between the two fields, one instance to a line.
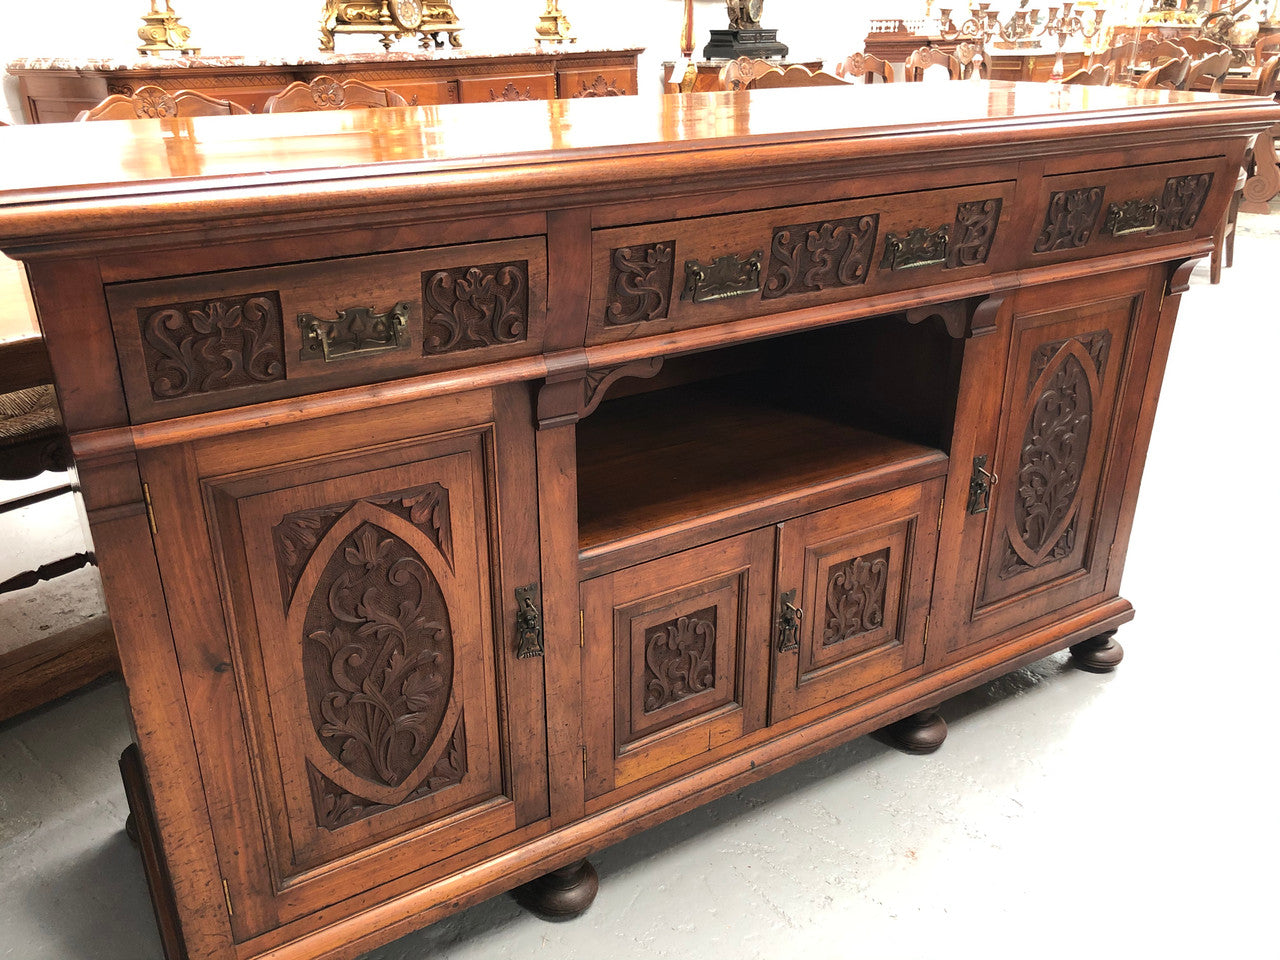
x=1098, y=654
x=561, y=894
x=921, y=732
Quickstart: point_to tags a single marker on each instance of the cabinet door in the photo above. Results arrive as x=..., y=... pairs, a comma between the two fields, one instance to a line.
x=1060, y=447
x=857, y=578
x=386, y=723
x=675, y=657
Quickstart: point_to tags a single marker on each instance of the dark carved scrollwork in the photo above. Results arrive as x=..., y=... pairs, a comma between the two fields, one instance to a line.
x=510, y=93
x=640, y=279
x=1183, y=200
x=476, y=306
x=1070, y=219
x=377, y=656
x=1046, y=507
x=856, y=591
x=679, y=658
x=974, y=232
x=919, y=248
x=336, y=808
x=209, y=345
x=806, y=257
x=297, y=535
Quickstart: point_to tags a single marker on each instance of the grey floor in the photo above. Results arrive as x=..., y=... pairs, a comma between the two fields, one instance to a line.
x=1131, y=815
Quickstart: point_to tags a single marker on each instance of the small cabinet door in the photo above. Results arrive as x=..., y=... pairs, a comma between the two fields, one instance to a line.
x=1067, y=370
x=364, y=694
x=675, y=657
x=853, y=595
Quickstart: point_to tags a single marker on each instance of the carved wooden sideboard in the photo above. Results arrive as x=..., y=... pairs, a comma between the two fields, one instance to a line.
x=476, y=486
x=57, y=90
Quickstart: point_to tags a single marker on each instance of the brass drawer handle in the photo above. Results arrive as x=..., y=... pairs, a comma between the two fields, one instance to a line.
x=722, y=278
x=1132, y=216
x=358, y=332
x=919, y=248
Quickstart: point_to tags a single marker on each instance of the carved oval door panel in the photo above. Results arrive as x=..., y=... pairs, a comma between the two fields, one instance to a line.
x=1063, y=381
x=362, y=600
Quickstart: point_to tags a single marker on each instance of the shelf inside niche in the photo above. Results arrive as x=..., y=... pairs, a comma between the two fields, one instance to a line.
x=691, y=455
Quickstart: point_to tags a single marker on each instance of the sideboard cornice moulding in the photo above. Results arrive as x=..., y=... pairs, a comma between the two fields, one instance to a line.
x=476, y=486
x=55, y=89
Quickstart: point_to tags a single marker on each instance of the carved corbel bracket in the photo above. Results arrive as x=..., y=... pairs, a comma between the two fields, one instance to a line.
x=1179, y=276
x=567, y=398
x=973, y=317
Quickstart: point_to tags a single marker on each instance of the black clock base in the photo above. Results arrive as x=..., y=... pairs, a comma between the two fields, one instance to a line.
x=731, y=44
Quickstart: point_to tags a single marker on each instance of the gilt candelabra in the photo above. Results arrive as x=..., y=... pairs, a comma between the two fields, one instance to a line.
x=984, y=25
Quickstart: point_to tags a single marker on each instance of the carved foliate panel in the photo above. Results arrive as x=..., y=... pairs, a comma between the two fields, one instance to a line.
x=640, y=279
x=203, y=346
x=679, y=658
x=1183, y=200
x=1070, y=219
x=475, y=306
x=1064, y=380
x=807, y=257
x=337, y=808
x=377, y=656
x=296, y=536
x=974, y=232
x=855, y=597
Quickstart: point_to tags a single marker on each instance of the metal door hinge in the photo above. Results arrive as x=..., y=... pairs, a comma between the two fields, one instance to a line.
x=582, y=629
x=925, y=642
x=226, y=892
x=584, y=762
x=941, y=506
x=146, y=499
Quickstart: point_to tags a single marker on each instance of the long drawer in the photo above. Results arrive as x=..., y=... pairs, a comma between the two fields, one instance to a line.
x=206, y=342
x=658, y=277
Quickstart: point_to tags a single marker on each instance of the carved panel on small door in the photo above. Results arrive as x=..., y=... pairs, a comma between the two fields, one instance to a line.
x=667, y=657
x=369, y=622
x=862, y=574
x=1064, y=371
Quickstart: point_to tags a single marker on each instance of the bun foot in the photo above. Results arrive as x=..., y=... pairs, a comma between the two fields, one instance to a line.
x=561, y=894
x=131, y=829
x=1098, y=654
x=919, y=733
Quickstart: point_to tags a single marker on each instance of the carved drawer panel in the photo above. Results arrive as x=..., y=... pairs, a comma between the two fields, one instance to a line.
x=523, y=86
x=190, y=344
x=1096, y=212
x=661, y=277
x=598, y=81
x=854, y=585
x=673, y=657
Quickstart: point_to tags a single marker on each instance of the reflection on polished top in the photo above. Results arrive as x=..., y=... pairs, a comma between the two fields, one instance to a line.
x=94, y=161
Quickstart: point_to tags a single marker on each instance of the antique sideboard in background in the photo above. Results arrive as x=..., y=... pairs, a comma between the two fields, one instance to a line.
x=55, y=90
x=475, y=486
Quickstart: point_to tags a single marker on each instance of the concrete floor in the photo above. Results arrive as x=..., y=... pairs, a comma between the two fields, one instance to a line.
x=1131, y=815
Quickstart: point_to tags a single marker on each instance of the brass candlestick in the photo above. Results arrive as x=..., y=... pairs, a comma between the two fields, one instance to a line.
x=162, y=33
x=553, y=26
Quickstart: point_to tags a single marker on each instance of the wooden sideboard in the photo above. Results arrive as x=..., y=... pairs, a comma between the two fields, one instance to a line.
x=57, y=90
x=480, y=485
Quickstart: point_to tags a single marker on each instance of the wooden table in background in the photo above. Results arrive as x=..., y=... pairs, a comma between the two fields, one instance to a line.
x=57, y=90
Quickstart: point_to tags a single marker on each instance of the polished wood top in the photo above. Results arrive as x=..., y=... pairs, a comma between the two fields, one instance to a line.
x=130, y=171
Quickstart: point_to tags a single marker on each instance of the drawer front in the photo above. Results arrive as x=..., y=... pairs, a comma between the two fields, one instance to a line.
x=855, y=581
x=197, y=343
x=674, y=657
x=661, y=277
x=517, y=86
x=598, y=81
x=1097, y=212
